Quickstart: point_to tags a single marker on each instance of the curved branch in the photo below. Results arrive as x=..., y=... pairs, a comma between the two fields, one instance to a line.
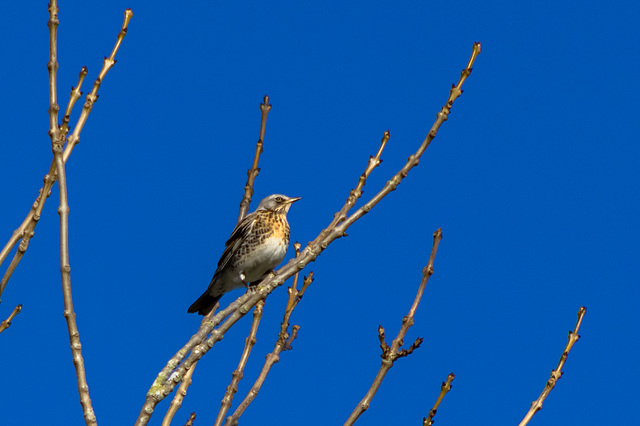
x=557, y=372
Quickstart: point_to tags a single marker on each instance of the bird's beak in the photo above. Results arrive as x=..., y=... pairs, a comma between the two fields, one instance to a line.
x=293, y=200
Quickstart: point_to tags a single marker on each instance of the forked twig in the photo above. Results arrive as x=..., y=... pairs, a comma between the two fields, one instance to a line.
x=444, y=389
x=283, y=343
x=391, y=353
x=557, y=372
x=199, y=344
x=26, y=230
x=57, y=140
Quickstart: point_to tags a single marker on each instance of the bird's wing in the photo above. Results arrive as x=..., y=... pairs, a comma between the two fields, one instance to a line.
x=234, y=242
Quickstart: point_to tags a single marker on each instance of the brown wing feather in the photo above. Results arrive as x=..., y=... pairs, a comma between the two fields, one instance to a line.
x=234, y=242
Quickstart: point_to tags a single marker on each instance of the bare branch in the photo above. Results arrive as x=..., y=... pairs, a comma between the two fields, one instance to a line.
x=52, y=65
x=73, y=98
x=92, y=96
x=238, y=374
x=356, y=193
x=181, y=393
x=192, y=418
x=252, y=173
x=198, y=346
x=176, y=402
x=57, y=139
x=7, y=323
x=557, y=372
x=390, y=355
x=25, y=231
x=283, y=343
x=444, y=389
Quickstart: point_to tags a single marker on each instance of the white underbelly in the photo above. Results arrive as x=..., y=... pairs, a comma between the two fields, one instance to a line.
x=266, y=258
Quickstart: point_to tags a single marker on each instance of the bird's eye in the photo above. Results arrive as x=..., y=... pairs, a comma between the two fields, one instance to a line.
x=279, y=199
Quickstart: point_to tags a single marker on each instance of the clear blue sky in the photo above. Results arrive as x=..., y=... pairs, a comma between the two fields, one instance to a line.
x=534, y=180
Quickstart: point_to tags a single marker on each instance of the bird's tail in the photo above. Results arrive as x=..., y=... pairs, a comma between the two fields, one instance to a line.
x=204, y=304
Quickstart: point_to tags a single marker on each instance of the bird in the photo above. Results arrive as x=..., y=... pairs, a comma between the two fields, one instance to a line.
x=256, y=246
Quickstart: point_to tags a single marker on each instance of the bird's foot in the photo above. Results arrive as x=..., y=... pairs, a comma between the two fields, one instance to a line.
x=243, y=277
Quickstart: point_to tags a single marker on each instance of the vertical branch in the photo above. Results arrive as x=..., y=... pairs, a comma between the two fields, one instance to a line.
x=57, y=139
x=444, y=389
x=557, y=372
x=238, y=374
x=52, y=66
x=252, y=173
x=391, y=354
x=65, y=268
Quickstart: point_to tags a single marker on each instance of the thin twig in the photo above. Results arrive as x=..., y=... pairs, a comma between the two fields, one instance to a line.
x=92, y=96
x=238, y=374
x=557, y=372
x=283, y=343
x=176, y=402
x=26, y=230
x=391, y=354
x=57, y=140
x=444, y=389
x=197, y=346
x=73, y=98
x=192, y=418
x=7, y=323
x=252, y=173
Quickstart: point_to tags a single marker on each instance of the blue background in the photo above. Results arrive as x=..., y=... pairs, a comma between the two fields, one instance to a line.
x=534, y=180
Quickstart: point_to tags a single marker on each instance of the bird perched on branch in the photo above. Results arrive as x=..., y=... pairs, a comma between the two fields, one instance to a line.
x=256, y=246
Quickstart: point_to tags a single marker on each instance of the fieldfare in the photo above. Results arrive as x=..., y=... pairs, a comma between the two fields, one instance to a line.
x=256, y=246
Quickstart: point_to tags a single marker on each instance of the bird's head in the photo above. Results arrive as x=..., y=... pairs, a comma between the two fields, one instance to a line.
x=277, y=202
